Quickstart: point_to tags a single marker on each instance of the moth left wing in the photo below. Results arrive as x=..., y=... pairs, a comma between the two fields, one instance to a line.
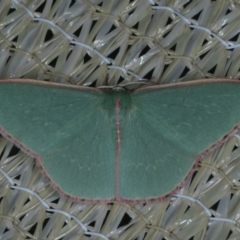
x=165, y=130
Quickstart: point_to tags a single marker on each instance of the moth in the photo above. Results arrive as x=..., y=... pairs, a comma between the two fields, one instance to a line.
x=133, y=146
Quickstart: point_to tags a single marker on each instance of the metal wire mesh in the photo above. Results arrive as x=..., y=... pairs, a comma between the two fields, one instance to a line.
x=99, y=43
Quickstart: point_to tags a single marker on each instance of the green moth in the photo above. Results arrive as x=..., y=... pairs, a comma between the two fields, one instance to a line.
x=133, y=146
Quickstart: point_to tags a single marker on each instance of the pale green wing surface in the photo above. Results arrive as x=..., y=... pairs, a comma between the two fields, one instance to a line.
x=166, y=128
x=69, y=129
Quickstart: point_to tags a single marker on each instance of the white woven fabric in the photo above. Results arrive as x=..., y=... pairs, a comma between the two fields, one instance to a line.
x=101, y=43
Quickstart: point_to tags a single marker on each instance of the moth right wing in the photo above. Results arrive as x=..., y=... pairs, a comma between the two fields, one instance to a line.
x=68, y=129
